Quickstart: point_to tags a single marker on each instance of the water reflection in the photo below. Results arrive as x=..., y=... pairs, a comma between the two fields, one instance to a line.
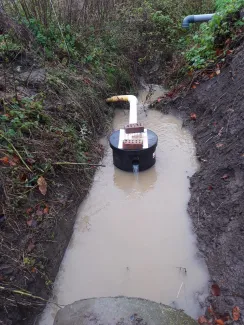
x=138, y=184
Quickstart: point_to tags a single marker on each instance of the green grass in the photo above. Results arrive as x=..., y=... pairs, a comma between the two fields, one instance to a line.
x=201, y=45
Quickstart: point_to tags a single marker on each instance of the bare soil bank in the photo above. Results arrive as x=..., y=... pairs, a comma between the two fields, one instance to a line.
x=35, y=227
x=217, y=193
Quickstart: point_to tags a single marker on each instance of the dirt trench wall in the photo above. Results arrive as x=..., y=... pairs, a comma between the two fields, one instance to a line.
x=217, y=189
x=35, y=227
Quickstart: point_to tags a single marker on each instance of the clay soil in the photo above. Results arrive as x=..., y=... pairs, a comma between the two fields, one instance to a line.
x=217, y=189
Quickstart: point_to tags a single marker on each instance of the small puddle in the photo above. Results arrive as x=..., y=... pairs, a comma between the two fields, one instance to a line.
x=133, y=236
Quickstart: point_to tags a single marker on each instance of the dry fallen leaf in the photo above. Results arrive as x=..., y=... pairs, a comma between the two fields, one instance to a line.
x=219, y=52
x=31, y=223
x=211, y=311
x=202, y=320
x=16, y=159
x=12, y=163
x=225, y=176
x=46, y=210
x=23, y=177
x=236, y=313
x=219, y=145
x=225, y=317
x=229, y=52
x=42, y=185
x=87, y=81
x=30, y=161
x=215, y=290
x=4, y=160
x=30, y=247
x=228, y=41
x=39, y=212
x=170, y=94
x=29, y=210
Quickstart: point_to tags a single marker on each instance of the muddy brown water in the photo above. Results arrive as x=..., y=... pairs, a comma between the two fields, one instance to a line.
x=133, y=236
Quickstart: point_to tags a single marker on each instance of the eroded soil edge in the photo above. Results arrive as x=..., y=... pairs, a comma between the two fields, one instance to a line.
x=217, y=194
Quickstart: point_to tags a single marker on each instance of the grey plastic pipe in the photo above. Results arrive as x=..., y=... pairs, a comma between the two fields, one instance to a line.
x=196, y=19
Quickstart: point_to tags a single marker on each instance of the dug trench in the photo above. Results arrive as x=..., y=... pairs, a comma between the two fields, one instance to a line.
x=214, y=112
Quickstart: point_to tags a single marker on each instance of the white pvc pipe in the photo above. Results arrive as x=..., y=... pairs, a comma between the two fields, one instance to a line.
x=133, y=109
x=133, y=105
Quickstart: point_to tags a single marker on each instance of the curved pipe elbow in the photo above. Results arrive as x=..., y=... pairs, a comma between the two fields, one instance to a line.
x=196, y=19
x=133, y=105
x=124, y=98
x=187, y=21
x=133, y=109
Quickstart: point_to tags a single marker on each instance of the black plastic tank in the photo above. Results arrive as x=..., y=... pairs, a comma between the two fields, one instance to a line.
x=125, y=159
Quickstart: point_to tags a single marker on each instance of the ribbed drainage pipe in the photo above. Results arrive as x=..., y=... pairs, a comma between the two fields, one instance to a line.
x=196, y=19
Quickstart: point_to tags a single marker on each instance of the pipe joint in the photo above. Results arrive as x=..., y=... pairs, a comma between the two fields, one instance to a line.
x=133, y=105
x=196, y=19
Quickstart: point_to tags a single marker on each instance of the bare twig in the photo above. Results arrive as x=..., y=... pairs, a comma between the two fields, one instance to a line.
x=210, y=138
x=73, y=163
x=180, y=290
x=28, y=294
